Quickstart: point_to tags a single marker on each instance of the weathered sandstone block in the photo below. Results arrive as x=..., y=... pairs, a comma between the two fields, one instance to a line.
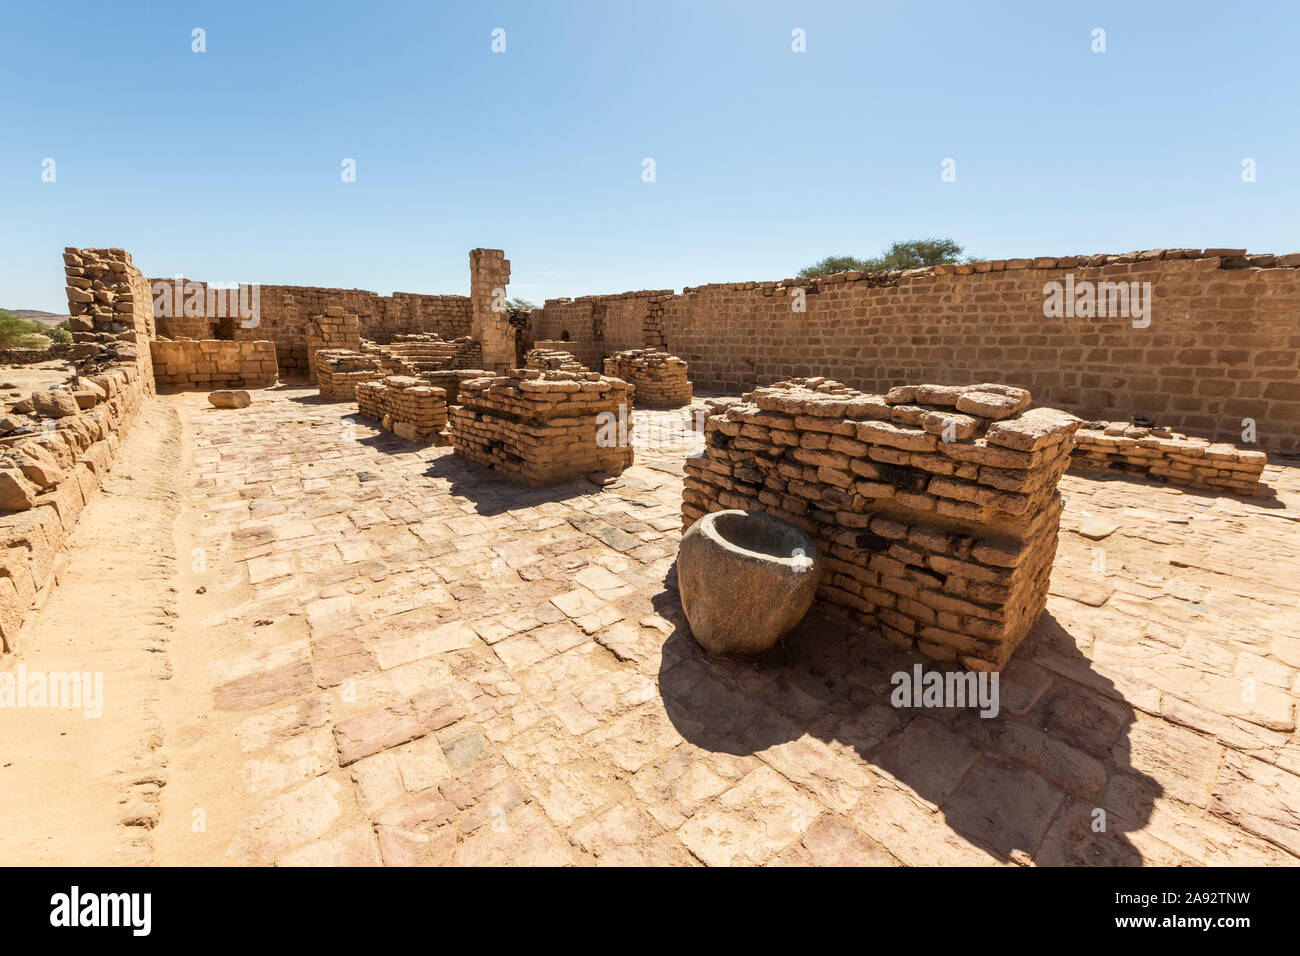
x=230, y=398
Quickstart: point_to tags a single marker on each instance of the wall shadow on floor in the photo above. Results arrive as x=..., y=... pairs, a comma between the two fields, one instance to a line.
x=493, y=493
x=1024, y=784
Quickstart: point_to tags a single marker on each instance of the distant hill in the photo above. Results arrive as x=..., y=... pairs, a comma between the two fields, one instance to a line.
x=36, y=315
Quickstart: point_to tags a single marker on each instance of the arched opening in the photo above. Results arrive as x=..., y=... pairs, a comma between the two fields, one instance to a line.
x=564, y=335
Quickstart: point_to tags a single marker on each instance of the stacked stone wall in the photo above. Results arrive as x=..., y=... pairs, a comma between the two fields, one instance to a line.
x=935, y=508
x=213, y=364
x=1164, y=455
x=659, y=378
x=407, y=406
x=1218, y=345
x=544, y=428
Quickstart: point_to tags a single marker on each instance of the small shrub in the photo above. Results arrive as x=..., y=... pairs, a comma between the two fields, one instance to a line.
x=18, y=333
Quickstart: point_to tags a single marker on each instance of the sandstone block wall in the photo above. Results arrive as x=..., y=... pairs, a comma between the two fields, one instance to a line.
x=543, y=428
x=109, y=305
x=450, y=379
x=46, y=480
x=335, y=329
x=544, y=359
x=1222, y=344
x=585, y=354
x=595, y=327
x=339, y=371
x=428, y=352
x=935, y=507
x=489, y=272
x=49, y=474
x=406, y=406
x=284, y=313
x=1165, y=455
x=213, y=364
x=659, y=378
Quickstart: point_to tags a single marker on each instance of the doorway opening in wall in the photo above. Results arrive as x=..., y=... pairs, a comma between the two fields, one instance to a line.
x=224, y=328
x=564, y=335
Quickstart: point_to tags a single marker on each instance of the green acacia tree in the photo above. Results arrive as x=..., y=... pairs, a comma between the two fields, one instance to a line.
x=905, y=254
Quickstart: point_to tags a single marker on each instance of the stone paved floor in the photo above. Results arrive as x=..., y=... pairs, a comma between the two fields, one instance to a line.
x=415, y=662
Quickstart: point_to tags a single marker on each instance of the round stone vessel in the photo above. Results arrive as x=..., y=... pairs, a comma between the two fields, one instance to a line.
x=746, y=578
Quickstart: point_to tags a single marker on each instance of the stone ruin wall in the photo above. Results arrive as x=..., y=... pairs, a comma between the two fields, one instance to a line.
x=543, y=428
x=1162, y=454
x=51, y=472
x=585, y=354
x=426, y=352
x=210, y=364
x=336, y=328
x=450, y=380
x=407, y=406
x=935, y=508
x=545, y=359
x=1223, y=343
x=595, y=327
x=285, y=311
x=436, y=363
x=339, y=371
x=490, y=327
x=660, y=379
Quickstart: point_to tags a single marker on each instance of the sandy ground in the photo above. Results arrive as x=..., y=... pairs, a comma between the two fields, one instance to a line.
x=212, y=775
x=262, y=591
x=25, y=378
x=82, y=789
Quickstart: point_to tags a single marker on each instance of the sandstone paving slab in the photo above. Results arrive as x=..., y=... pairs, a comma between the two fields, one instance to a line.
x=457, y=670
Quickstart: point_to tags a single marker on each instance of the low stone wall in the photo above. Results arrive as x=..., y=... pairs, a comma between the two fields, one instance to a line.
x=64, y=440
x=935, y=507
x=543, y=428
x=554, y=359
x=334, y=329
x=428, y=352
x=659, y=378
x=450, y=379
x=208, y=364
x=408, y=407
x=1165, y=455
x=339, y=371
x=585, y=353
x=58, y=350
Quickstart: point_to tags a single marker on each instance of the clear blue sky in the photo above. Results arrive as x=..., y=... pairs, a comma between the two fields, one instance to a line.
x=225, y=165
